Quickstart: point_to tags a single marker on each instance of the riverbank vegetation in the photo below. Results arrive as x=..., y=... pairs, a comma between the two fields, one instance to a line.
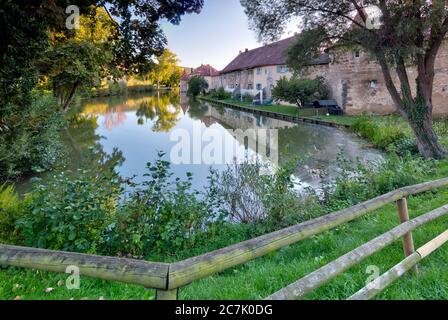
x=236, y=206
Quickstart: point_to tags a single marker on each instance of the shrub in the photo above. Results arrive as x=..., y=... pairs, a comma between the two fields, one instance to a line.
x=196, y=86
x=220, y=94
x=270, y=201
x=161, y=215
x=30, y=142
x=300, y=91
x=247, y=97
x=71, y=212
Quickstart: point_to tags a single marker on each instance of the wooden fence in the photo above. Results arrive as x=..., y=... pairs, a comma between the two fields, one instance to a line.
x=168, y=278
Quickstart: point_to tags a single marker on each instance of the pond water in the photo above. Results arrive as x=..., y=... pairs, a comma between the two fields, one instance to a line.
x=141, y=125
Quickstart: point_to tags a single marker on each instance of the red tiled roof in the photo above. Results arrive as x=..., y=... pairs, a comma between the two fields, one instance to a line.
x=271, y=54
x=206, y=71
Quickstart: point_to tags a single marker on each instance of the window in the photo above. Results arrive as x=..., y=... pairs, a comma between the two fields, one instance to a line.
x=258, y=70
x=373, y=84
x=282, y=69
x=250, y=86
x=250, y=72
x=357, y=54
x=259, y=87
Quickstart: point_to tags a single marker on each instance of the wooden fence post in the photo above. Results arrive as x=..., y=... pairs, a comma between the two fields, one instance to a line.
x=408, y=241
x=167, y=295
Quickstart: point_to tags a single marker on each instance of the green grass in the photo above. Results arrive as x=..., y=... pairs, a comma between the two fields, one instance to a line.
x=262, y=277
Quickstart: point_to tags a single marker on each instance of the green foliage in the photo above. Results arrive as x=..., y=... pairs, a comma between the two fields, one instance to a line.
x=11, y=209
x=30, y=138
x=166, y=71
x=161, y=215
x=365, y=181
x=387, y=133
x=85, y=212
x=197, y=85
x=72, y=64
x=219, y=94
x=71, y=213
x=253, y=194
x=300, y=91
x=247, y=97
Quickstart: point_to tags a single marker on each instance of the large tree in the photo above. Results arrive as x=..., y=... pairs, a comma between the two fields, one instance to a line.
x=166, y=70
x=405, y=34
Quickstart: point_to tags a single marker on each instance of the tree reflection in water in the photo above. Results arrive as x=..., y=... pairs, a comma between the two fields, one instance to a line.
x=162, y=110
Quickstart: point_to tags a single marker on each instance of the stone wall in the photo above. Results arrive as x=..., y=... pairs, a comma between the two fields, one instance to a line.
x=358, y=85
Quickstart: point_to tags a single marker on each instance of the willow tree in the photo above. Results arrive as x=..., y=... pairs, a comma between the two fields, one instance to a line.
x=403, y=35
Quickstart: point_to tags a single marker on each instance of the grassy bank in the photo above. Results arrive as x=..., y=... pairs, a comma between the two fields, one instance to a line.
x=264, y=276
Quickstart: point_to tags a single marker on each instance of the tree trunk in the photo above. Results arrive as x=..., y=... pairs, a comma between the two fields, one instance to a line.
x=421, y=123
x=70, y=97
x=417, y=111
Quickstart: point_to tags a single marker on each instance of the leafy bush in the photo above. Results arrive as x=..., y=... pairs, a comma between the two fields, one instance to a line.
x=161, y=215
x=70, y=212
x=30, y=140
x=196, y=86
x=86, y=212
x=247, y=97
x=300, y=91
x=220, y=94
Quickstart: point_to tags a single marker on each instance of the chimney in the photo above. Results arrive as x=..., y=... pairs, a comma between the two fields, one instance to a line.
x=247, y=50
x=241, y=51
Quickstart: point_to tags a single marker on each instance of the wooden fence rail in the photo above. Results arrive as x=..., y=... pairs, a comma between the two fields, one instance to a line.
x=381, y=283
x=319, y=277
x=168, y=278
x=147, y=274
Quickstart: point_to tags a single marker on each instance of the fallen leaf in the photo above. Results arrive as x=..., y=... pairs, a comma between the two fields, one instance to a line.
x=18, y=298
x=101, y=298
x=49, y=290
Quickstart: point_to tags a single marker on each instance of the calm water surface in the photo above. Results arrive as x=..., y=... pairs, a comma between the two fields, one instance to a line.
x=139, y=126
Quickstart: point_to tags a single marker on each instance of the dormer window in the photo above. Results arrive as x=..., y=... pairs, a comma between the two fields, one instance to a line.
x=357, y=54
x=373, y=84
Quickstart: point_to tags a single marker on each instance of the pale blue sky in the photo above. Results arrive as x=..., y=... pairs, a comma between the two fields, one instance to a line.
x=214, y=37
